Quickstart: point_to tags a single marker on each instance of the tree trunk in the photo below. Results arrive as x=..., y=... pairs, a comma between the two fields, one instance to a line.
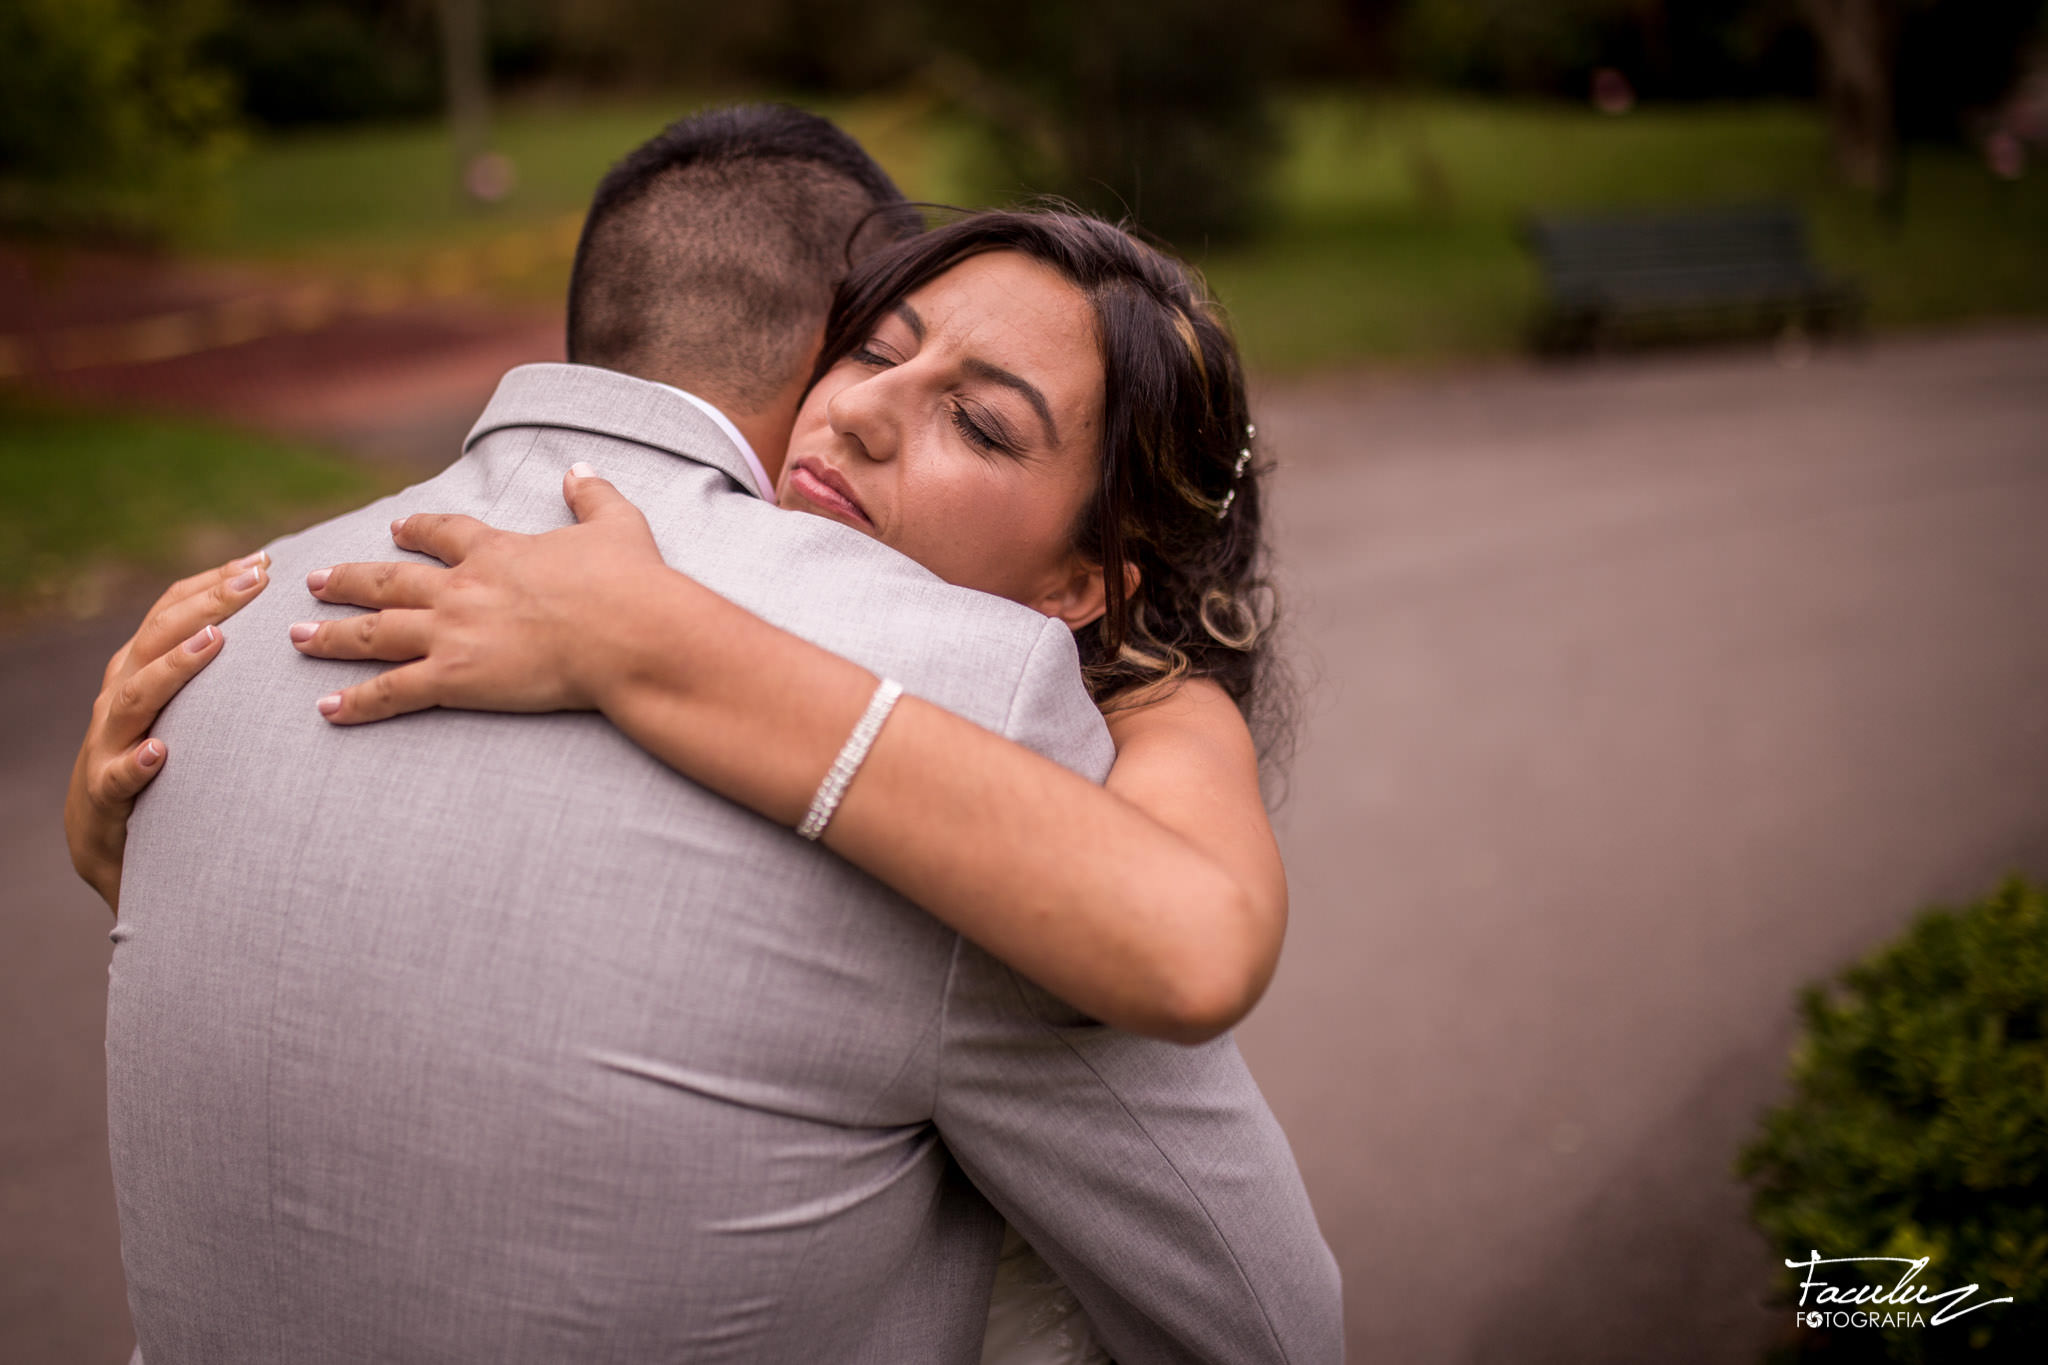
x=469, y=106
x=1858, y=40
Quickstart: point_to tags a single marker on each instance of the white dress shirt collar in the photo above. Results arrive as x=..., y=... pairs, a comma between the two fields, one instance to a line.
x=762, y=485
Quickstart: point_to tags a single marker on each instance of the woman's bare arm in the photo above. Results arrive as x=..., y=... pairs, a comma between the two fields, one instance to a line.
x=1156, y=903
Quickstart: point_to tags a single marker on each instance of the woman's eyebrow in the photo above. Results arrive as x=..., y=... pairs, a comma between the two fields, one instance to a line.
x=995, y=374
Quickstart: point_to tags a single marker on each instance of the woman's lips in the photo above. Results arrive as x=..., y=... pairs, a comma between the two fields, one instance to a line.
x=826, y=488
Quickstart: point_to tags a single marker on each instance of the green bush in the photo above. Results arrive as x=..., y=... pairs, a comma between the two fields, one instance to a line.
x=107, y=119
x=330, y=61
x=1161, y=113
x=1918, y=1126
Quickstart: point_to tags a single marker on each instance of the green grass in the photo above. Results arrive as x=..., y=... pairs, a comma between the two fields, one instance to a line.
x=1395, y=229
x=377, y=195
x=84, y=492
x=1392, y=232
x=374, y=189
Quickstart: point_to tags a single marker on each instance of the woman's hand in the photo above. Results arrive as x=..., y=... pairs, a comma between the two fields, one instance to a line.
x=512, y=624
x=180, y=636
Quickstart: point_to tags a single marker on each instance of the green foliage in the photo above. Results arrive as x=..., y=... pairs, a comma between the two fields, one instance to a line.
x=1157, y=112
x=108, y=121
x=1918, y=1126
x=330, y=61
x=1684, y=48
x=1503, y=44
x=1957, y=57
x=81, y=490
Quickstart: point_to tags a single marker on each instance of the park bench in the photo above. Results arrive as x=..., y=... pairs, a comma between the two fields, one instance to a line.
x=1634, y=277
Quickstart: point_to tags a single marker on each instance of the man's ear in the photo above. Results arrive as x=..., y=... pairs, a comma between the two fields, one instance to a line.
x=1079, y=598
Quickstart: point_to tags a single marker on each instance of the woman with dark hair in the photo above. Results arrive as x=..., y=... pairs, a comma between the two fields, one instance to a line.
x=1035, y=405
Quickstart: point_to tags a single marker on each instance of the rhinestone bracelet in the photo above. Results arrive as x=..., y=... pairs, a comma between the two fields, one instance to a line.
x=850, y=758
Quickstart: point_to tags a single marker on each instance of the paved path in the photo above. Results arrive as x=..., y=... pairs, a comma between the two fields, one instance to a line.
x=398, y=383
x=1646, y=694
x=1642, y=694
x=61, y=1296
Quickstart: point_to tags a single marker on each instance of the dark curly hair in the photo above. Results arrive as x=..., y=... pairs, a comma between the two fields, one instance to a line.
x=1179, y=494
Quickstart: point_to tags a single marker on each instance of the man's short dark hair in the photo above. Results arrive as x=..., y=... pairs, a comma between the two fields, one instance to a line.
x=711, y=253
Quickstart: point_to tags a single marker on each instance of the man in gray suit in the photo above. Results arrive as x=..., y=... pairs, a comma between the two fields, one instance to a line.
x=471, y=1037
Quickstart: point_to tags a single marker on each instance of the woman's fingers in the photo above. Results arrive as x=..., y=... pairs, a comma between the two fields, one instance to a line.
x=592, y=498
x=119, y=782
x=393, y=693
x=387, y=583
x=447, y=536
x=206, y=578
x=139, y=698
x=180, y=636
x=393, y=636
x=202, y=600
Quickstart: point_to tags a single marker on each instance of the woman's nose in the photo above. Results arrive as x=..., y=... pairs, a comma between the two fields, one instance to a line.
x=863, y=413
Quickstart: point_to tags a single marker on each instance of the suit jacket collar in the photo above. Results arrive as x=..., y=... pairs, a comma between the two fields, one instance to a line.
x=608, y=403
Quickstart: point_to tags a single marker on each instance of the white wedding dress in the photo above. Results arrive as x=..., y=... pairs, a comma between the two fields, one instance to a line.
x=1033, y=1318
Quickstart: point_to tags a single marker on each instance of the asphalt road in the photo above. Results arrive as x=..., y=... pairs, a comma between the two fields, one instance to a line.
x=1638, y=695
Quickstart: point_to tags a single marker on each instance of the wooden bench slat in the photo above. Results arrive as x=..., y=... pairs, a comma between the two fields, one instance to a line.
x=1677, y=266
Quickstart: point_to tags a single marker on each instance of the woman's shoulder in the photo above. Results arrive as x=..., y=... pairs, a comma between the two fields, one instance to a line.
x=1186, y=711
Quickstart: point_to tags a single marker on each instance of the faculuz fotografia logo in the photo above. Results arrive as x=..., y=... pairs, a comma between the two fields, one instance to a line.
x=1905, y=1304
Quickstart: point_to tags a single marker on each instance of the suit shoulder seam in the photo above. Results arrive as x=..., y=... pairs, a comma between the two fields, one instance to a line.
x=1017, y=685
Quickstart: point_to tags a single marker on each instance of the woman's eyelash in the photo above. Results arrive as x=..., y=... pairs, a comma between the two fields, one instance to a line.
x=976, y=434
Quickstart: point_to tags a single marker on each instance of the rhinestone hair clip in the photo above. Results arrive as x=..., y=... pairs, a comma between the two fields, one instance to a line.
x=1244, y=457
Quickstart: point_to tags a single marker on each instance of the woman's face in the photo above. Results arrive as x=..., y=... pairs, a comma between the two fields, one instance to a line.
x=964, y=433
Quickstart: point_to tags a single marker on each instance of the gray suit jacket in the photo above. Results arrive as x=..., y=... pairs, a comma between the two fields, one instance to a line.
x=467, y=1037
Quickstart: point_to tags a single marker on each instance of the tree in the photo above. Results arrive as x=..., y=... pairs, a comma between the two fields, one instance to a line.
x=1160, y=112
x=469, y=99
x=1858, y=42
x=109, y=121
x=1911, y=68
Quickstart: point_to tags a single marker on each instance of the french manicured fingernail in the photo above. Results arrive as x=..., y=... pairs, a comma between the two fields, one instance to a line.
x=582, y=470
x=317, y=579
x=329, y=704
x=151, y=755
x=198, y=643
x=303, y=631
x=246, y=581
x=255, y=561
x=397, y=526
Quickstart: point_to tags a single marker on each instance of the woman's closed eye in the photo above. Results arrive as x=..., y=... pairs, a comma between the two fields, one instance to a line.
x=982, y=430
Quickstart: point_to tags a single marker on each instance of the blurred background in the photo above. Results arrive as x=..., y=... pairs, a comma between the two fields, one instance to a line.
x=227, y=183
x=1660, y=395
